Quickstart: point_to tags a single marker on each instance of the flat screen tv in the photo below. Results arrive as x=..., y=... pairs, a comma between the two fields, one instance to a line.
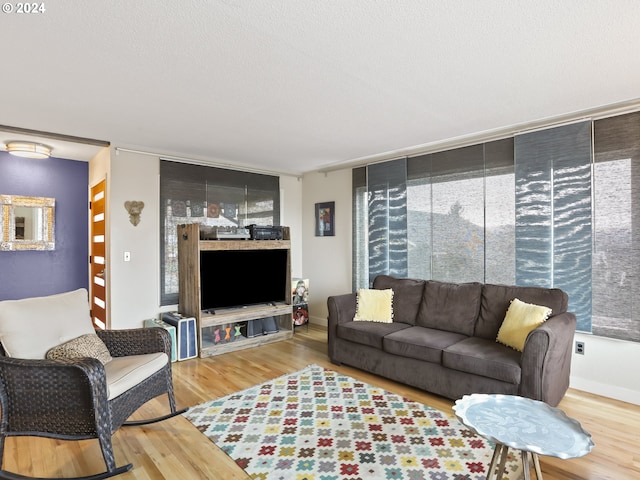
x=238, y=278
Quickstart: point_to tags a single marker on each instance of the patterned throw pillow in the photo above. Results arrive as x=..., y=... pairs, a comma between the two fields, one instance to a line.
x=521, y=318
x=88, y=345
x=374, y=306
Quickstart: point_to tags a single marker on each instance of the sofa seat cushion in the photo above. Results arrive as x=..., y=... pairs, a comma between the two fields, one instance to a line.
x=368, y=333
x=420, y=343
x=484, y=357
x=124, y=373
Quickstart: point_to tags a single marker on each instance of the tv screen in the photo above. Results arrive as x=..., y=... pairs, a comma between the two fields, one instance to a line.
x=236, y=278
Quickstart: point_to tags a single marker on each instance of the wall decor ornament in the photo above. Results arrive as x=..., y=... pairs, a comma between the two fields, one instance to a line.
x=27, y=223
x=325, y=219
x=134, y=208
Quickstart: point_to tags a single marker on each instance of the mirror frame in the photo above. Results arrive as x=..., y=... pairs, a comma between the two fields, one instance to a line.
x=8, y=239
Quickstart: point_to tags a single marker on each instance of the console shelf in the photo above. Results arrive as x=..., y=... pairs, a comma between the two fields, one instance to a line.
x=189, y=248
x=236, y=315
x=208, y=348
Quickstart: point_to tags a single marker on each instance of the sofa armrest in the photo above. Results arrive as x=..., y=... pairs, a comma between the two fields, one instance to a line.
x=342, y=309
x=136, y=341
x=546, y=359
x=61, y=390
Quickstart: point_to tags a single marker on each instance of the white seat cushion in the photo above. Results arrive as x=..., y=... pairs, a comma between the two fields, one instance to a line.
x=30, y=327
x=126, y=372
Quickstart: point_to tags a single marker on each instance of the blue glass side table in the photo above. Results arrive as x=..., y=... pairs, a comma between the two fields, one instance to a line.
x=530, y=426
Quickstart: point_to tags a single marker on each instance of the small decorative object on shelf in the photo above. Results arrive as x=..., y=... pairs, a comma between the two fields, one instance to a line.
x=301, y=314
x=260, y=326
x=299, y=290
x=299, y=300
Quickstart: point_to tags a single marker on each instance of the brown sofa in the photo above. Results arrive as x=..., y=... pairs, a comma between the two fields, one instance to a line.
x=443, y=339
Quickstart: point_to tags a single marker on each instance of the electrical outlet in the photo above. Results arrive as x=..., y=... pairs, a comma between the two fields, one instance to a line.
x=580, y=348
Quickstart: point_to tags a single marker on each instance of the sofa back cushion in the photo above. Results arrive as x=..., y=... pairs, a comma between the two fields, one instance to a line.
x=407, y=295
x=497, y=298
x=452, y=307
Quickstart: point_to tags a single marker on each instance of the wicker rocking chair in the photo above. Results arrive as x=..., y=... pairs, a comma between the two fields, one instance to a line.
x=58, y=381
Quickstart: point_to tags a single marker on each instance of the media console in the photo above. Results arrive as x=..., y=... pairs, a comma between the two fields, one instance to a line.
x=216, y=327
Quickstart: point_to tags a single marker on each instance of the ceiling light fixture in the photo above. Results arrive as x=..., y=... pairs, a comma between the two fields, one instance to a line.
x=28, y=149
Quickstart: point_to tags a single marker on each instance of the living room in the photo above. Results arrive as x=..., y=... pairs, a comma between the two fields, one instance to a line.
x=131, y=163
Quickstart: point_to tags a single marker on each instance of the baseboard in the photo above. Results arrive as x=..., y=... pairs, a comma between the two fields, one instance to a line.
x=606, y=390
x=318, y=321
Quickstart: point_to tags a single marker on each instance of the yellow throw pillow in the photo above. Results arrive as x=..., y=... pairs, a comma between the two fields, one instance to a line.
x=521, y=318
x=374, y=306
x=89, y=345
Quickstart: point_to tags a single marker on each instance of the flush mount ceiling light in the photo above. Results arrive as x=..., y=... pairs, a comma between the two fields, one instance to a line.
x=28, y=149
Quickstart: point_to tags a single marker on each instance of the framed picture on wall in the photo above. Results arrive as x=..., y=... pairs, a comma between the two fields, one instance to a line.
x=325, y=219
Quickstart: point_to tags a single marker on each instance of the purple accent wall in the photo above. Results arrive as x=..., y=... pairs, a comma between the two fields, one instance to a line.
x=36, y=273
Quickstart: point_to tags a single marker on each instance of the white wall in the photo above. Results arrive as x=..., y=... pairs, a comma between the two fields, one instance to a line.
x=99, y=166
x=326, y=260
x=608, y=367
x=135, y=285
x=290, y=216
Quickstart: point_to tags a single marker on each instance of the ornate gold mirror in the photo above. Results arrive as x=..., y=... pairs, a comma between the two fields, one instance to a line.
x=28, y=223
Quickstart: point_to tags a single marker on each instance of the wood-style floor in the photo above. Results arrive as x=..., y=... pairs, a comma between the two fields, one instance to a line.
x=174, y=449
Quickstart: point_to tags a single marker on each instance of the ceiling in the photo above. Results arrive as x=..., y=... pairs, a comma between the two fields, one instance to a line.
x=300, y=85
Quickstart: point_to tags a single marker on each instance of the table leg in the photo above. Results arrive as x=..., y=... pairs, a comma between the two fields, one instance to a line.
x=527, y=468
x=494, y=460
x=498, y=462
x=525, y=464
x=536, y=464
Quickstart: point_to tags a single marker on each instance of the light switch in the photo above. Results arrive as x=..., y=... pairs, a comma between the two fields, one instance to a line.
x=127, y=256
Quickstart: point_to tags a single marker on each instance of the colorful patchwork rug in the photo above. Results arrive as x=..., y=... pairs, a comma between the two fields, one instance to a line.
x=317, y=424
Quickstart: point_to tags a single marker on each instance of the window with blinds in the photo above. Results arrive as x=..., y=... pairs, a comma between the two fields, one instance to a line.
x=212, y=196
x=555, y=208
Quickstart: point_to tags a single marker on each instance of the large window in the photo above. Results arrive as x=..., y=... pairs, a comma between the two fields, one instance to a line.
x=555, y=208
x=210, y=196
x=459, y=217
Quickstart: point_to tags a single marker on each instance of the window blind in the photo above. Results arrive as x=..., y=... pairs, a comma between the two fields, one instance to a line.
x=616, y=262
x=359, y=243
x=457, y=206
x=553, y=213
x=212, y=196
x=387, y=225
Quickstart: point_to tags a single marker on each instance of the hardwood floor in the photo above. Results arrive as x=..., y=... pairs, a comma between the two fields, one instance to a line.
x=174, y=449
